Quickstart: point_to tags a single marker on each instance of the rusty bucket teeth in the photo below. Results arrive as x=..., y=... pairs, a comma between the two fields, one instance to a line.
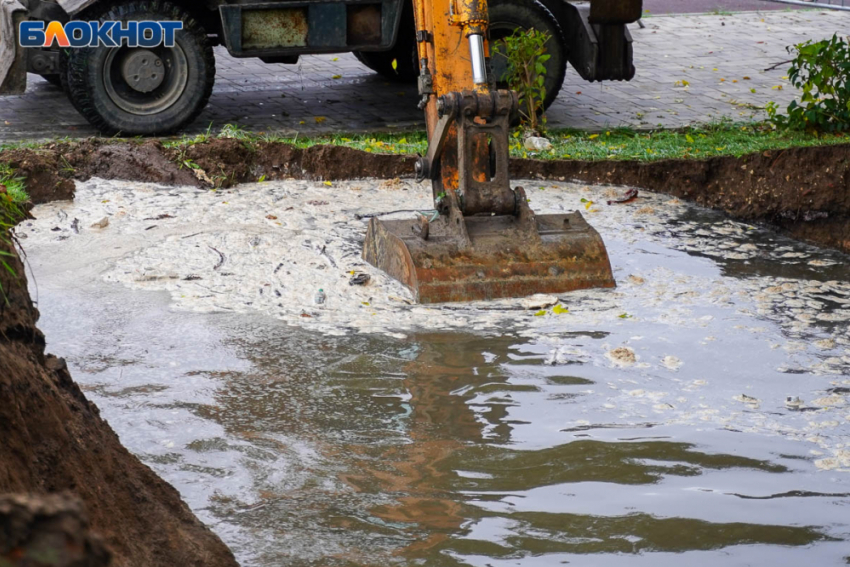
x=498, y=259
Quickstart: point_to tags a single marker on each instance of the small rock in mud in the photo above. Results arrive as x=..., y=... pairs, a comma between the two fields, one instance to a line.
x=749, y=400
x=671, y=362
x=539, y=301
x=537, y=144
x=359, y=279
x=622, y=356
x=102, y=223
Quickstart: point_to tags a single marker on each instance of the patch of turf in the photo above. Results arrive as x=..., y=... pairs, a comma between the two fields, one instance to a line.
x=725, y=139
x=699, y=142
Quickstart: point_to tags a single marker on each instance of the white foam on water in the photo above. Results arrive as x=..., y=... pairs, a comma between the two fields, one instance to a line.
x=269, y=247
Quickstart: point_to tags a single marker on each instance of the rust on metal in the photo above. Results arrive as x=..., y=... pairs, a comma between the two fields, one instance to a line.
x=363, y=24
x=274, y=28
x=500, y=262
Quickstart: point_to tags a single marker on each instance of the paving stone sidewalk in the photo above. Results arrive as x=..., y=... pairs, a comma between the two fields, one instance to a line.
x=691, y=69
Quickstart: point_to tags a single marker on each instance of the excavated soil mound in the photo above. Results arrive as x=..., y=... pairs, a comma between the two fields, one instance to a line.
x=803, y=191
x=54, y=440
x=48, y=531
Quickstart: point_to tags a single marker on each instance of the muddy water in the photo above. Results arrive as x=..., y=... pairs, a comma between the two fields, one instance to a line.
x=646, y=425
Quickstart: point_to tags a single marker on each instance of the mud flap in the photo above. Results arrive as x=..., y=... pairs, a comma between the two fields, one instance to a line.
x=13, y=61
x=598, y=51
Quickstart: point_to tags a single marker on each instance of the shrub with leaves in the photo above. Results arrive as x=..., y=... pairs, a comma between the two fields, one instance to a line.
x=822, y=71
x=525, y=51
x=12, y=198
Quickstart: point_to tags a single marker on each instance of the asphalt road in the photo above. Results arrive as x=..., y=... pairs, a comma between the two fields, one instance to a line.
x=703, y=6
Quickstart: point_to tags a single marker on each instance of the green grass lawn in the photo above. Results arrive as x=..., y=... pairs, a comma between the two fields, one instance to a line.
x=725, y=139
x=619, y=144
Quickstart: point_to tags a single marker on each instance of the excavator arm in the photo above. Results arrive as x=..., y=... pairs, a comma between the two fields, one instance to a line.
x=486, y=242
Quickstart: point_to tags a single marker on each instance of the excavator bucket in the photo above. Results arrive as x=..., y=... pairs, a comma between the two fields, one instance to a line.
x=563, y=253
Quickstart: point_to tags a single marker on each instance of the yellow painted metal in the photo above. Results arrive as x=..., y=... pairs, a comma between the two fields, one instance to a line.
x=448, y=23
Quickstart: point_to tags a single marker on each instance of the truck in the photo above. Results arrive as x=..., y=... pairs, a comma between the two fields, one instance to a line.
x=160, y=90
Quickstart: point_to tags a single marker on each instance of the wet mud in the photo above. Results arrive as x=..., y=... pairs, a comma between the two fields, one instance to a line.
x=801, y=191
x=54, y=440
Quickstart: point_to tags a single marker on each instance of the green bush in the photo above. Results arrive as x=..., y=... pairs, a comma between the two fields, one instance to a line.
x=526, y=54
x=12, y=198
x=822, y=71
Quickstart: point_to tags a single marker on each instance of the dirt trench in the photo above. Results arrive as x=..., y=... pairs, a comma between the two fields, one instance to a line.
x=804, y=192
x=54, y=441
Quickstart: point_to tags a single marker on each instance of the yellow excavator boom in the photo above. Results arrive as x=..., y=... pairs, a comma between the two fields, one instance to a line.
x=486, y=242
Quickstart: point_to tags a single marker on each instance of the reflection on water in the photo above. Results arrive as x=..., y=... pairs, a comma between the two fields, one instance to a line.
x=528, y=449
x=408, y=457
x=447, y=449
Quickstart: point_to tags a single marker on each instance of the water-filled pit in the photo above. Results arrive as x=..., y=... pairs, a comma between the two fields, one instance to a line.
x=696, y=415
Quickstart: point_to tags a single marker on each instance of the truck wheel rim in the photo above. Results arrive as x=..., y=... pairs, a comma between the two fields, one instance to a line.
x=162, y=75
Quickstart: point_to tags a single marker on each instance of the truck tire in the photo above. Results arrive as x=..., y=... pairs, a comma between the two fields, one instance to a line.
x=506, y=16
x=103, y=82
x=403, y=52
